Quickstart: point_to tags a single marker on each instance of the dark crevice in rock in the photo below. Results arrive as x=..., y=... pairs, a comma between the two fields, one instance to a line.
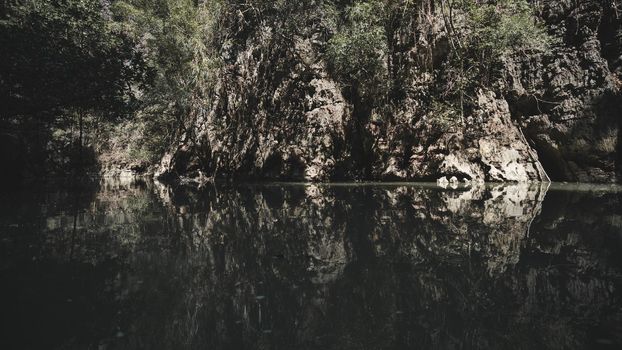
x=361, y=142
x=552, y=161
x=610, y=37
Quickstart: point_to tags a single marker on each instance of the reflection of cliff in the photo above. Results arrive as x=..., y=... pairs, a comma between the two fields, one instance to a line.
x=574, y=262
x=336, y=267
x=486, y=222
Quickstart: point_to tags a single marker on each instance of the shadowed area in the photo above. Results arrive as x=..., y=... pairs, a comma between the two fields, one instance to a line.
x=138, y=265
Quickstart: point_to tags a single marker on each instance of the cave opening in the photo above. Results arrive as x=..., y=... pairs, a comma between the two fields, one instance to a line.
x=551, y=160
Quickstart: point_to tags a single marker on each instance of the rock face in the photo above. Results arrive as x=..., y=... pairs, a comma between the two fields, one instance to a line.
x=277, y=113
x=489, y=147
x=569, y=103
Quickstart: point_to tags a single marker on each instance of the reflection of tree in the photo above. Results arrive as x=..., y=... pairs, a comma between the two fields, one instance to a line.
x=349, y=266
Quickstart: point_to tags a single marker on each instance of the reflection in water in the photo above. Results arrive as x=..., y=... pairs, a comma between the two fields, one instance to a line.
x=144, y=266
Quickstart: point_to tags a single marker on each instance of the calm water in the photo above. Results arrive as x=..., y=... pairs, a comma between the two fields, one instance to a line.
x=143, y=266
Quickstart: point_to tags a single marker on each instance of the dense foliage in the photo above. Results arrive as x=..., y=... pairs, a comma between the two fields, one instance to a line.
x=63, y=54
x=63, y=66
x=357, y=50
x=170, y=36
x=125, y=73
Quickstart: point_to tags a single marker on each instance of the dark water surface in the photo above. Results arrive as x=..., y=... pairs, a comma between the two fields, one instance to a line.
x=137, y=265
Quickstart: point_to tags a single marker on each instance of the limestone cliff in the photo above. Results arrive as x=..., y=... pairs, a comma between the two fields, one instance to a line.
x=278, y=112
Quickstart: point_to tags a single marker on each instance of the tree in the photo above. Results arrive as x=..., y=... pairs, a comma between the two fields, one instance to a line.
x=174, y=37
x=59, y=55
x=63, y=58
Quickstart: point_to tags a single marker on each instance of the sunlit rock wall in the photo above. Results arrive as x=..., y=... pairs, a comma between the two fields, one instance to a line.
x=277, y=112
